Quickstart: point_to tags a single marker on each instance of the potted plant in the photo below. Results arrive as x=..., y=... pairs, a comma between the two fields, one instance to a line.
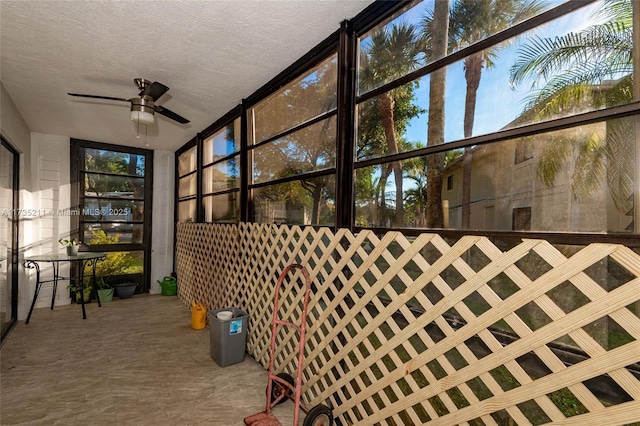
x=126, y=290
x=71, y=245
x=78, y=290
x=105, y=291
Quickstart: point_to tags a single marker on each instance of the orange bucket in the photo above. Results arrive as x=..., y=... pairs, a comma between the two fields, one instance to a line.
x=198, y=316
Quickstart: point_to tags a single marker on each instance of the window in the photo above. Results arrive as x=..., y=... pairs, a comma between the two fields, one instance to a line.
x=221, y=174
x=294, y=150
x=112, y=187
x=441, y=127
x=521, y=219
x=524, y=150
x=187, y=164
x=407, y=108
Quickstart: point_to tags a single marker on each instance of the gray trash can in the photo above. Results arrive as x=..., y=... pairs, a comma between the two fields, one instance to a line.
x=228, y=338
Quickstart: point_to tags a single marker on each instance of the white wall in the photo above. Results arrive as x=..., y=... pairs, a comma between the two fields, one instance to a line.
x=45, y=188
x=162, y=218
x=50, y=197
x=16, y=131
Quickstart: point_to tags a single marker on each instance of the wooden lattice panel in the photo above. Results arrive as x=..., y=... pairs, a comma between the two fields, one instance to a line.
x=409, y=331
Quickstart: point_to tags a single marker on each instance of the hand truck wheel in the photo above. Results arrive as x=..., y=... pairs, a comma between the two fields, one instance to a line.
x=277, y=389
x=320, y=415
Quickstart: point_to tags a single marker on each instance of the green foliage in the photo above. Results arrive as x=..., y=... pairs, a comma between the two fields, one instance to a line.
x=102, y=284
x=116, y=263
x=591, y=69
x=68, y=243
x=309, y=149
x=372, y=140
x=78, y=290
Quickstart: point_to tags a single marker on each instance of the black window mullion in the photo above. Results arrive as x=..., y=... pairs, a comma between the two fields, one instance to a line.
x=222, y=192
x=93, y=197
x=199, y=178
x=244, y=163
x=345, y=139
x=293, y=178
x=187, y=174
x=583, y=119
x=221, y=160
x=295, y=128
x=93, y=172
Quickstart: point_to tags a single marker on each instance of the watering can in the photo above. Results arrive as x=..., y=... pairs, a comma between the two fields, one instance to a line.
x=169, y=286
x=198, y=316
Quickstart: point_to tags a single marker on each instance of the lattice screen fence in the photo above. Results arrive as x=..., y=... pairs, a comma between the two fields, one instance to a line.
x=425, y=331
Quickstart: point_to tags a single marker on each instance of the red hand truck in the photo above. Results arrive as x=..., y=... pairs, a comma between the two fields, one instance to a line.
x=281, y=386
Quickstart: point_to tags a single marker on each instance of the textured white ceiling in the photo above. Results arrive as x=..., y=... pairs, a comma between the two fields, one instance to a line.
x=210, y=53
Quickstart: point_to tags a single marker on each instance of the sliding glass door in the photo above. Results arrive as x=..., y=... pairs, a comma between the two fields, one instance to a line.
x=8, y=237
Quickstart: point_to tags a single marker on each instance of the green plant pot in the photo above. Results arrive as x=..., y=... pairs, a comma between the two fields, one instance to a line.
x=105, y=295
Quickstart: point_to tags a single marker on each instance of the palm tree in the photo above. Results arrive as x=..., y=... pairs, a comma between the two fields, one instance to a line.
x=470, y=22
x=435, y=30
x=593, y=68
x=417, y=197
x=391, y=53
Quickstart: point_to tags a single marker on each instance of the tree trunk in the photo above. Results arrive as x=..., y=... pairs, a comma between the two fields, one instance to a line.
x=472, y=73
x=382, y=205
x=435, y=132
x=385, y=104
x=317, y=197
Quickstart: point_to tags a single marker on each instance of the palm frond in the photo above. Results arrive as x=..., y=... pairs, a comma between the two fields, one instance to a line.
x=616, y=11
x=541, y=58
x=553, y=158
x=577, y=89
x=589, y=167
x=620, y=152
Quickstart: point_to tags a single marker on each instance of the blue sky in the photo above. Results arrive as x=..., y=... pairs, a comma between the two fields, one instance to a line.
x=497, y=104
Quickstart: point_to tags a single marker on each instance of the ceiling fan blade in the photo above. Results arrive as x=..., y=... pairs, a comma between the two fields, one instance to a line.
x=110, y=98
x=154, y=90
x=170, y=114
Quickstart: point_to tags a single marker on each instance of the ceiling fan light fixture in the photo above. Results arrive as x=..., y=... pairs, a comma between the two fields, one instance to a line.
x=142, y=110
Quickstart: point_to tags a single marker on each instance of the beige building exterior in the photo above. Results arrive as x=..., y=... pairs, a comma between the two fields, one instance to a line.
x=507, y=192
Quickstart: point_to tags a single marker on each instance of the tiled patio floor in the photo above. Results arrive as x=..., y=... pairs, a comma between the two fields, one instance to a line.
x=131, y=362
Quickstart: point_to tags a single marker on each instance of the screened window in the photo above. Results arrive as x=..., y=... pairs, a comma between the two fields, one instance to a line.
x=221, y=174
x=112, y=196
x=308, y=96
x=455, y=118
x=540, y=76
x=293, y=158
x=187, y=185
x=112, y=186
x=408, y=40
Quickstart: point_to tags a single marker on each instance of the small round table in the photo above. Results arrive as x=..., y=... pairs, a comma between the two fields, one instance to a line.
x=84, y=258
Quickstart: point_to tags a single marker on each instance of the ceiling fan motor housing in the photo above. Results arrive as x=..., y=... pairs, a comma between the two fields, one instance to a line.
x=142, y=110
x=143, y=107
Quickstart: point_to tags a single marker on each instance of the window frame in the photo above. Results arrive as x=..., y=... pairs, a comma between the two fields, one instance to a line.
x=77, y=177
x=346, y=42
x=229, y=121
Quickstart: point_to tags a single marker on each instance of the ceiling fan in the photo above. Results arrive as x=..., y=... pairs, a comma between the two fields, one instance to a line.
x=143, y=106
